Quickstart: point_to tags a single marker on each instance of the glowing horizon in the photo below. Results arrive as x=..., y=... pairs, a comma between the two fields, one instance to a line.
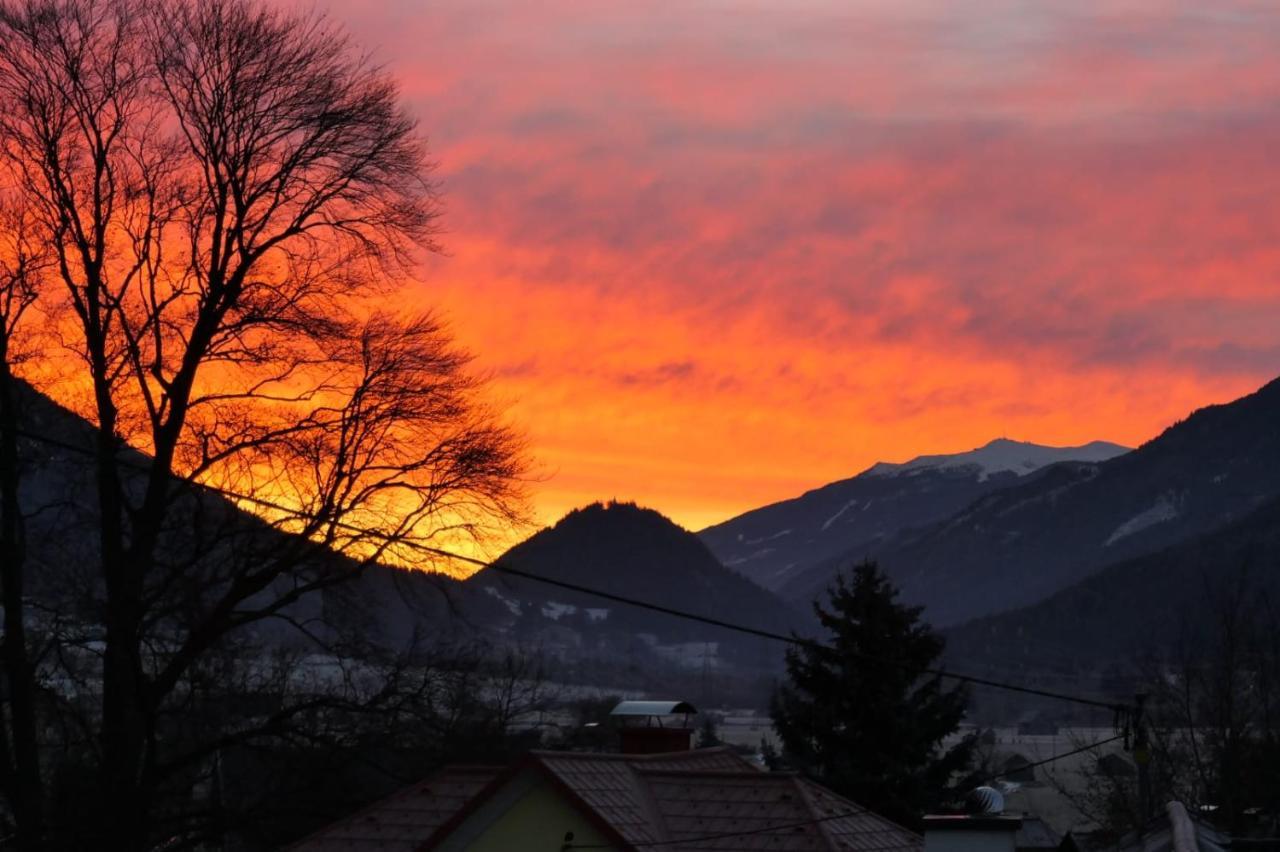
x=717, y=254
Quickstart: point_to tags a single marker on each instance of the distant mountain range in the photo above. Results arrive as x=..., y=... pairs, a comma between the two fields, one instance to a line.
x=1013, y=547
x=787, y=545
x=619, y=548
x=1026, y=555
x=967, y=537
x=1020, y=544
x=1145, y=604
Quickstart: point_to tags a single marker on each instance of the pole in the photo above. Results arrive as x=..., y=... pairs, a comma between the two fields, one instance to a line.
x=1142, y=757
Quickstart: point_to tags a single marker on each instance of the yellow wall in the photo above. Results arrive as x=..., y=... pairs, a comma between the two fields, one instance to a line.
x=536, y=822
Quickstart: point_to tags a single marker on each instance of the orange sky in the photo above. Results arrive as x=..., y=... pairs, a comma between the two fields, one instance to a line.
x=715, y=253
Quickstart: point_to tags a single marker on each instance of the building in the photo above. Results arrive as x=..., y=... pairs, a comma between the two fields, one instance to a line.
x=563, y=801
x=1175, y=830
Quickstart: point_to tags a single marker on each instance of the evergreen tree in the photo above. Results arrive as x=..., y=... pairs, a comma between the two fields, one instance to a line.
x=857, y=714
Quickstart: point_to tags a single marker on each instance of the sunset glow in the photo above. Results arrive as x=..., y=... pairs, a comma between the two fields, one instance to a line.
x=717, y=253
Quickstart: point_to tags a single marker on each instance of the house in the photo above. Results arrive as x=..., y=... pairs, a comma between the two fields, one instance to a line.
x=1018, y=769
x=1175, y=830
x=1172, y=829
x=563, y=801
x=551, y=801
x=985, y=826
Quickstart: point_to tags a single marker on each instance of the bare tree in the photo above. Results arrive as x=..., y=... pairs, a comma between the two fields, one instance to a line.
x=229, y=193
x=1212, y=719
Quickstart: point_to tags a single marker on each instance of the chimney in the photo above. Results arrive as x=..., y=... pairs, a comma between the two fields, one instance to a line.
x=983, y=828
x=654, y=727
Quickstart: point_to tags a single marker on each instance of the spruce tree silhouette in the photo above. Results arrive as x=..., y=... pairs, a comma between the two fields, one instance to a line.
x=858, y=720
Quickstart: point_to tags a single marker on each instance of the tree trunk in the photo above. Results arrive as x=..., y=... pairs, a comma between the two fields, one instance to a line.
x=26, y=785
x=124, y=733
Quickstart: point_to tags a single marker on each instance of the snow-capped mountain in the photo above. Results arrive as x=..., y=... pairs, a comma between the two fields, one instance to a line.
x=1038, y=534
x=774, y=544
x=1001, y=456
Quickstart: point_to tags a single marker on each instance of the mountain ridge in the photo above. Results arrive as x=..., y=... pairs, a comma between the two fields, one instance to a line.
x=633, y=552
x=1024, y=542
x=774, y=543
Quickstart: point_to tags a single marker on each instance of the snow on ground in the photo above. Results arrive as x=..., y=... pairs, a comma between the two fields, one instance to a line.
x=1001, y=455
x=514, y=606
x=766, y=537
x=826, y=525
x=1165, y=509
x=756, y=555
x=554, y=609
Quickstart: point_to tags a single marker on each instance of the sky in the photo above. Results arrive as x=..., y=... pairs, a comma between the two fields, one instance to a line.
x=716, y=253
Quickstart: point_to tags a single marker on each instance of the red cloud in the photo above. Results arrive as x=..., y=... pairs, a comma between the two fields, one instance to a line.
x=716, y=255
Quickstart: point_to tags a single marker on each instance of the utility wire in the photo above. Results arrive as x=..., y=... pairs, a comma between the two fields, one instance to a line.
x=817, y=820
x=1024, y=767
x=1116, y=708
x=799, y=640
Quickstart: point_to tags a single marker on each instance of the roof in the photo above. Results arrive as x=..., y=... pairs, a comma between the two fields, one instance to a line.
x=399, y=822
x=652, y=708
x=1175, y=830
x=704, y=799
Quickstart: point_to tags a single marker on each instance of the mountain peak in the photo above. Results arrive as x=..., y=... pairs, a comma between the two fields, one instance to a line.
x=633, y=552
x=1000, y=456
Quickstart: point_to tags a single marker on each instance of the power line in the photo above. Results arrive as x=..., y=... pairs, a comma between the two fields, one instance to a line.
x=1024, y=767
x=1116, y=708
x=799, y=640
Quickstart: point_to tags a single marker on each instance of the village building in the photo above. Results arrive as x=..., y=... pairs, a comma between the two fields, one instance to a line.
x=674, y=799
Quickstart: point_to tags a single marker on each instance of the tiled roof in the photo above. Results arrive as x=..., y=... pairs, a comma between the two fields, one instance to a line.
x=714, y=800
x=707, y=799
x=861, y=829
x=402, y=821
x=610, y=784
x=749, y=810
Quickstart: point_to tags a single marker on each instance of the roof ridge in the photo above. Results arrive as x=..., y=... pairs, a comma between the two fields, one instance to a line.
x=402, y=794
x=819, y=820
x=650, y=804
x=530, y=762
x=745, y=772
x=856, y=809
x=638, y=758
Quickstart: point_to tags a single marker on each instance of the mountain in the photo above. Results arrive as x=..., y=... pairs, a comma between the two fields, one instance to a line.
x=1022, y=543
x=620, y=548
x=1143, y=605
x=773, y=544
x=209, y=538
x=638, y=553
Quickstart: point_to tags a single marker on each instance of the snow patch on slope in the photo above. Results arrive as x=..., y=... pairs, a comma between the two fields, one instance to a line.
x=1001, y=455
x=764, y=538
x=826, y=525
x=512, y=606
x=1165, y=509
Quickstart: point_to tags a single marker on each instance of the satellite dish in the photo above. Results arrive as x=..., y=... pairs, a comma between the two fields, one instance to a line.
x=987, y=801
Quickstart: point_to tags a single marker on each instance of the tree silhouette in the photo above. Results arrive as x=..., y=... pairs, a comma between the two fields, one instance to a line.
x=857, y=714
x=228, y=193
x=23, y=266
